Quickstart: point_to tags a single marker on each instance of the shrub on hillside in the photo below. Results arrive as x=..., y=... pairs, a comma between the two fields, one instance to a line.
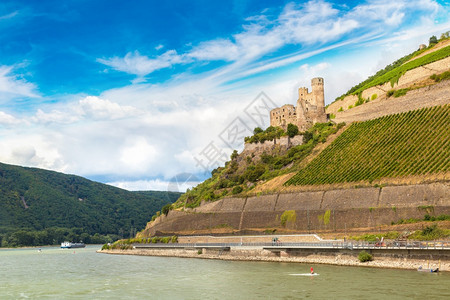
x=390, y=93
x=237, y=189
x=400, y=92
x=440, y=77
x=432, y=232
x=288, y=216
x=363, y=256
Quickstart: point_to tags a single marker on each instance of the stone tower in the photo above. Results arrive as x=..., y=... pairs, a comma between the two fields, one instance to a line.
x=318, y=101
x=318, y=96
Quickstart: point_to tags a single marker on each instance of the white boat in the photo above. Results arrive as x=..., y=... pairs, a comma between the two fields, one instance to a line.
x=69, y=245
x=420, y=269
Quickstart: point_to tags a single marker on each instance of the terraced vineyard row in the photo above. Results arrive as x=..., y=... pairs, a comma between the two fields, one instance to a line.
x=412, y=143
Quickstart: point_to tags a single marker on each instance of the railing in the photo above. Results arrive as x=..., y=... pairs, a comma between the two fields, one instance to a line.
x=433, y=245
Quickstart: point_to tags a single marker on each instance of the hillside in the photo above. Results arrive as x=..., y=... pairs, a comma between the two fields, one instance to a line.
x=382, y=159
x=406, y=144
x=411, y=75
x=53, y=206
x=246, y=170
x=392, y=72
x=351, y=180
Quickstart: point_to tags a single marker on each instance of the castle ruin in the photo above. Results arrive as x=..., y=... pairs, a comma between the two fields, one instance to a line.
x=310, y=108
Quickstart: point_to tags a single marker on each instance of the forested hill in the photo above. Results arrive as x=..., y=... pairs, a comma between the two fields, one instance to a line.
x=35, y=200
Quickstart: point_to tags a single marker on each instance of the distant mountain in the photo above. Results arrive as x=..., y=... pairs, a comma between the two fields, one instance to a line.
x=33, y=200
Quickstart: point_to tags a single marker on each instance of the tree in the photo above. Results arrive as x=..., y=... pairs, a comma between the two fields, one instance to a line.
x=234, y=155
x=257, y=130
x=433, y=40
x=237, y=189
x=292, y=130
x=166, y=208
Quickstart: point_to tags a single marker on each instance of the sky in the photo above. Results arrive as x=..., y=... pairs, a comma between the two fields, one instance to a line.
x=153, y=95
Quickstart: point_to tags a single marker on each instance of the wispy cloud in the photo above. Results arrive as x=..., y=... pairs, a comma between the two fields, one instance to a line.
x=9, y=16
x=12, y=86
x=135, y=63
x=313, y=23
x=8, y=120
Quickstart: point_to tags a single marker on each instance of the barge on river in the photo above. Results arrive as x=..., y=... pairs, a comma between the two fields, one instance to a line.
x=69, y=245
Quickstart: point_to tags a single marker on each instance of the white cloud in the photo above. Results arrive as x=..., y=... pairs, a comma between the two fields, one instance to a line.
x=88, y=108
x=215, y=50
x=139, y=155
x=135, y=63
x=97, y=108
x=55, y=116
x=154, y=185
x=312, y=71
x=7, y=120
x=32, y=149
x=11, y=86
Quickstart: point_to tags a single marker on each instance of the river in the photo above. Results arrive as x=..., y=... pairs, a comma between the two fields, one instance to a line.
x=54, y=273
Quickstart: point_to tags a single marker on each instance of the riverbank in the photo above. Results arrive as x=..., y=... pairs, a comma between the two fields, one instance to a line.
x=252, y=254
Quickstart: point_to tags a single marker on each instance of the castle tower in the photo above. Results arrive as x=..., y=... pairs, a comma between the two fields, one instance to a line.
x=318, y=97
x=302, y=93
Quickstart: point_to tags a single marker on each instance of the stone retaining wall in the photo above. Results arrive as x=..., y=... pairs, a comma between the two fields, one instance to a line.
x=323, y=210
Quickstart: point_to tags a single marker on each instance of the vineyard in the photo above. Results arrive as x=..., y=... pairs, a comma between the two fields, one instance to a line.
x=412, y=143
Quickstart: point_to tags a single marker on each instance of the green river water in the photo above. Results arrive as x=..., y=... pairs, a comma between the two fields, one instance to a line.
x=85, y=274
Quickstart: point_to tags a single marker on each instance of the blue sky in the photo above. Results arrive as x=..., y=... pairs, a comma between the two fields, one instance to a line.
x=131, y=93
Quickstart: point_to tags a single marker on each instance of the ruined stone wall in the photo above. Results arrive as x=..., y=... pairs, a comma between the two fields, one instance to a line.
x=282, y=116
x=322, y=210
x=283, y=141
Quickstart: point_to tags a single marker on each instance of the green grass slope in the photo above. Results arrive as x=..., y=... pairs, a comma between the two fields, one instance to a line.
x=412, y=143
x=393, y=75
x=35, y=200
x=394, y=71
